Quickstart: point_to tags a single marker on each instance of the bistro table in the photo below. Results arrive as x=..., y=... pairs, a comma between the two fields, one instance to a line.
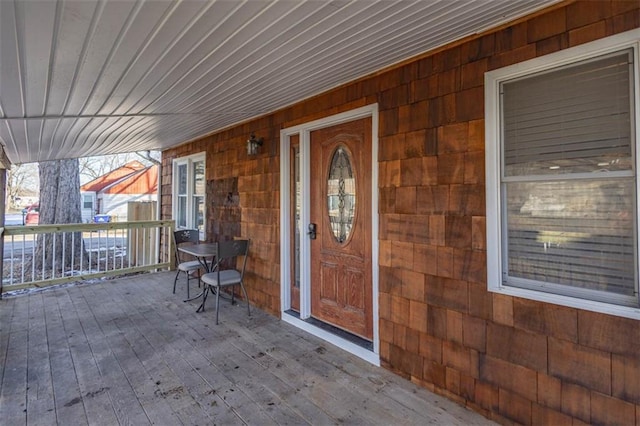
x=202, y=252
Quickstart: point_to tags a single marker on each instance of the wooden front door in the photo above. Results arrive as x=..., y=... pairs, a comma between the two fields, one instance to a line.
x=341, y=282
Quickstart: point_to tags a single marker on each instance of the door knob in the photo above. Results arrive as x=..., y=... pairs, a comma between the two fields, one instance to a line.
x=312, y=231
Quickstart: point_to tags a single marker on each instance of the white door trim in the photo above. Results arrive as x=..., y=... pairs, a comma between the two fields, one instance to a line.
x=304, y=130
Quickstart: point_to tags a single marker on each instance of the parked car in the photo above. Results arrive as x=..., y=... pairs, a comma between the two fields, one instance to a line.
x=31, y=214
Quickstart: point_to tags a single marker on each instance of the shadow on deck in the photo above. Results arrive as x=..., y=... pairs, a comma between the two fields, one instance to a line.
x=127, y=351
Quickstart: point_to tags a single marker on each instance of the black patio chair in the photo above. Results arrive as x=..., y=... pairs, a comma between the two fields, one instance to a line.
x=220, y=278
x=186, y=236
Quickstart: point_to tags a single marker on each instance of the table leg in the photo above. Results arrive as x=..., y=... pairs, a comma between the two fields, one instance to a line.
x=204, y=299
x=206, y=266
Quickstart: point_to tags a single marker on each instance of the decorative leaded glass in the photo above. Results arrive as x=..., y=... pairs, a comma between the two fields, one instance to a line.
x=341, y=194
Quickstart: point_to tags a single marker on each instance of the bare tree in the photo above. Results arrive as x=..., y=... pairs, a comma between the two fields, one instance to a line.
x=21, y=180
x=94, y=167
x=59, y=203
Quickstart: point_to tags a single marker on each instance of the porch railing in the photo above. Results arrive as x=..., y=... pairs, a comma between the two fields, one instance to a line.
x=43, y=255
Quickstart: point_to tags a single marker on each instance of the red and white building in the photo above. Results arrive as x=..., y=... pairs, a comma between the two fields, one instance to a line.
x=110, y=193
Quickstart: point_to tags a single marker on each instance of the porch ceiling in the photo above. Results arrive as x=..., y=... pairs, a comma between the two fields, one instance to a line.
x=83, y=77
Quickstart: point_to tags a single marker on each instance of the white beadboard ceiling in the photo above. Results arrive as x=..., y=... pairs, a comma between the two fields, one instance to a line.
x=81, y=77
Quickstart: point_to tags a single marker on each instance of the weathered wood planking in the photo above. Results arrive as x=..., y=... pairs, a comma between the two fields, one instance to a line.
x=128, y=351
x=40, y=402
x=96, y=400
x=13, y=404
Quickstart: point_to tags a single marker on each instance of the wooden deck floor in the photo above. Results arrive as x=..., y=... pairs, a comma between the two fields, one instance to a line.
x=127, y=351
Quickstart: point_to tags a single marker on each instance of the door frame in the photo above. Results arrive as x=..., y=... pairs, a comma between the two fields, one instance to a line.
x=304, y=130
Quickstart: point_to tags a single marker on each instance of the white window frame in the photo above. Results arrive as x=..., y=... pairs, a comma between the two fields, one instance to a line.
x=493, y=158
x=86, y=196
x=188, y=161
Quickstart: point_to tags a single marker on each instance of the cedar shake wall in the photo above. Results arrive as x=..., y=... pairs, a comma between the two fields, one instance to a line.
x=511, y=359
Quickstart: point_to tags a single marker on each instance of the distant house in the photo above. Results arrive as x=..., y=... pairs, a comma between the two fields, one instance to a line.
x=109, y=194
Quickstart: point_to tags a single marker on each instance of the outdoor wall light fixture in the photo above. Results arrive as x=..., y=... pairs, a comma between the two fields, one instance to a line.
x=253, y=144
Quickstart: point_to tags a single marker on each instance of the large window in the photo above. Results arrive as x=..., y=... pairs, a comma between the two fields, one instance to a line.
x=189, y=192
x=561, y=176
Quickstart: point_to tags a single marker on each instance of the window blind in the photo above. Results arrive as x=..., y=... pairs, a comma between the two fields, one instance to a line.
x=576, y=233
x=568, y=233
x=567, y=120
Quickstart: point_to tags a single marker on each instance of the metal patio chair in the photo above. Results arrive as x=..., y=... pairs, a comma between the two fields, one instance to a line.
x=220, y=278
x=186, y=236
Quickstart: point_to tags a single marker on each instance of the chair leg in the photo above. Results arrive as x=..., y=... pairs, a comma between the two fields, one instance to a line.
x=187, y=272
x=175, y=280
x=217, y=304
x=246, y=298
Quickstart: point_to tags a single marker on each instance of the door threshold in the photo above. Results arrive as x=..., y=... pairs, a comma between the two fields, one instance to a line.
x=349, y=342
x=356, y=340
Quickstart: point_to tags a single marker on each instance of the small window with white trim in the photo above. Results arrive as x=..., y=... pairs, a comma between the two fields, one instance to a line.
x=189, y=192
x=87, y=201
x=561, y=135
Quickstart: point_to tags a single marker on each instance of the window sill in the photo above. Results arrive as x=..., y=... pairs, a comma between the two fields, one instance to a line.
x=571, y=302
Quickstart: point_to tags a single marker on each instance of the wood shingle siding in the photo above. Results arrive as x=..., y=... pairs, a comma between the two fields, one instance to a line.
x=512, y=360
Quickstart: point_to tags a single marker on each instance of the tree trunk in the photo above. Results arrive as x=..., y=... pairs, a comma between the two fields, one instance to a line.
x=59, y=204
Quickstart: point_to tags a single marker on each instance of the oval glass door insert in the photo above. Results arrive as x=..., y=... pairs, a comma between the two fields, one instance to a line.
x=341, y=194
